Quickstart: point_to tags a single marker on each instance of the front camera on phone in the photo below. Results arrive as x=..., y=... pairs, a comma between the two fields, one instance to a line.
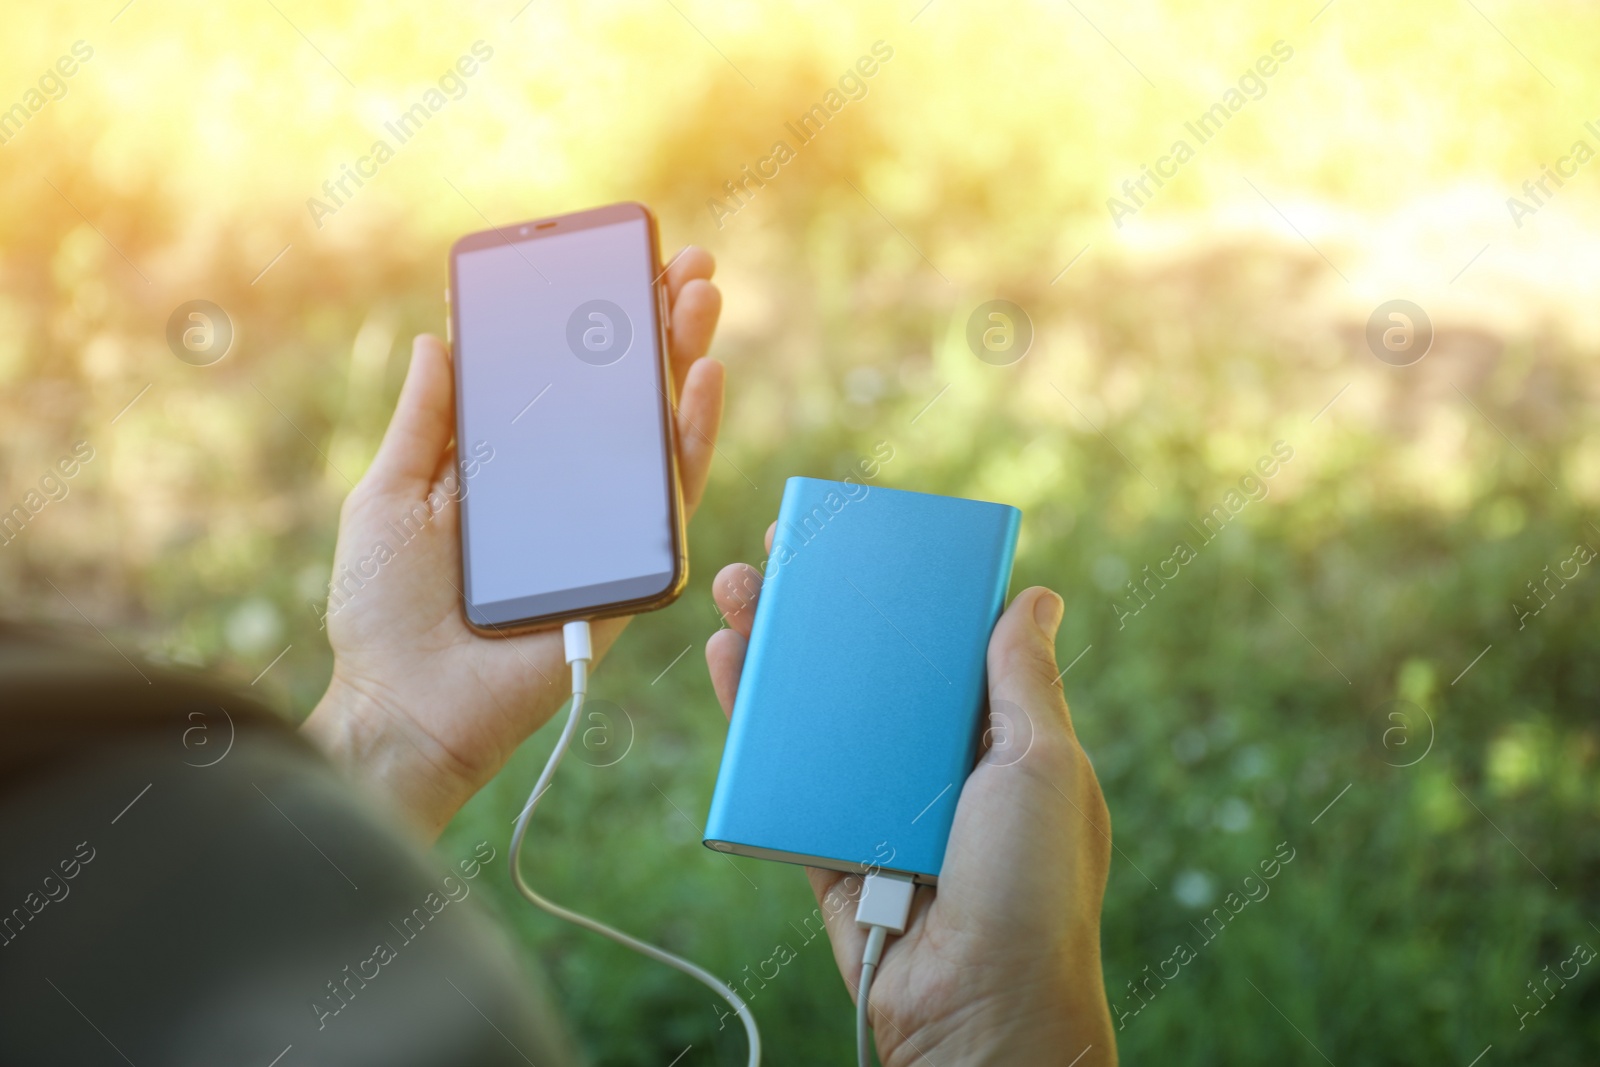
x=599, y=332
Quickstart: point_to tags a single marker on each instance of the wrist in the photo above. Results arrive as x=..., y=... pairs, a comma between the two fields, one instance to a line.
x=406, y=772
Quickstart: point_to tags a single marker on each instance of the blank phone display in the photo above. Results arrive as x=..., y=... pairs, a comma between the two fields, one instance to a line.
x=560, y=373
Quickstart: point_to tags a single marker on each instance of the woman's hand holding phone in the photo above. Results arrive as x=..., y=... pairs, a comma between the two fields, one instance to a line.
x=1000, y=964
x=418, y=706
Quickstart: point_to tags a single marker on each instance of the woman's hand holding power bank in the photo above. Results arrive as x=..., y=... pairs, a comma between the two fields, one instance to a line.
x=1000, y=964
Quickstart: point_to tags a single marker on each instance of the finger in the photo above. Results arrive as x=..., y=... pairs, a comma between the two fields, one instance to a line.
x=736, y=589
x=725, y=660
x=699, y=418
x=770, y=531
x=690, y=263
x=1022, y=659
x=694, y=321
x=837, y=896
x=422, y=424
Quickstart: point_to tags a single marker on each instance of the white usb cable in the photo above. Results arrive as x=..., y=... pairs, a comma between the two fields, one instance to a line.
x=883, y=909
x=580, y=652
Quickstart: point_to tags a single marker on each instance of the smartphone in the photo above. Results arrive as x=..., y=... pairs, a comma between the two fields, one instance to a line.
x=570, y=502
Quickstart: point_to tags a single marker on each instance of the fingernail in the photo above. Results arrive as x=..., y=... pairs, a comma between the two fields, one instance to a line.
x=1047, y=612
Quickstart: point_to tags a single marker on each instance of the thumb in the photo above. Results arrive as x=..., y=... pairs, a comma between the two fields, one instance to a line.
x=1022, y=661
x=422, y=424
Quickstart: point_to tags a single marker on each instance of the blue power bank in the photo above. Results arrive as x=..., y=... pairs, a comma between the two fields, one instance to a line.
x=859, y=709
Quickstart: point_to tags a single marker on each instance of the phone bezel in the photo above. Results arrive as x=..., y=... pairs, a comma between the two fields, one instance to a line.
x=533, y=230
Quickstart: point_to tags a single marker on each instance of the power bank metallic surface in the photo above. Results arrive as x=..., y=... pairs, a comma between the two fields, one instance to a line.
x=859, y=708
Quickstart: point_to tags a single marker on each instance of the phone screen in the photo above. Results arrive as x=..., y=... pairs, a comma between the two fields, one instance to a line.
x=569, y=499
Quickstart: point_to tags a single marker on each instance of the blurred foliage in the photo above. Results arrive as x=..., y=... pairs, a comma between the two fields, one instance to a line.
x=1227, y=315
